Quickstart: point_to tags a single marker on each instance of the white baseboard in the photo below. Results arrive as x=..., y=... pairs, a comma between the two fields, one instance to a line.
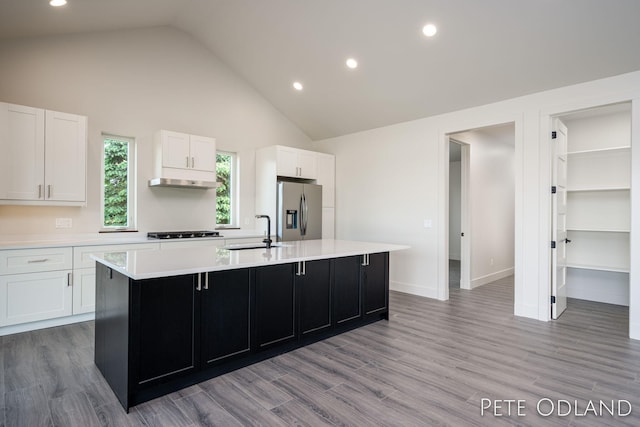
x=42, y=324
x=413, y=289
x=479, y=281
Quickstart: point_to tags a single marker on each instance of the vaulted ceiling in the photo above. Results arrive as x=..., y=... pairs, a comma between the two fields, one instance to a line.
x=484, y=51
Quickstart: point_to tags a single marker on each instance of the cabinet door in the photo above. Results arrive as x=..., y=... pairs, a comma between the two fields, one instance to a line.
x=84, y=290
x=163, y=329
x=346, y=289
x=307, y=165
x=226, y=303
x=203, y=153
x=275, y=304
x=314, y=291
x=287, y=162
x=175, y=150
x=65, y=157
x=34, y=296
x=21, y=152
x=375, y=281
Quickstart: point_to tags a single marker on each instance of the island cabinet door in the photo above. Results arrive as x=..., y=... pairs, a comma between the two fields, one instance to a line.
x=275, y=305
x=225, y=314
x=164, y=329
x=313, y=285
x=375, y=284
x=347, y=301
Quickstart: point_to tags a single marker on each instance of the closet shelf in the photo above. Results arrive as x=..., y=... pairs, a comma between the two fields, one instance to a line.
x=594, y=189
x=597, y=230
x=599, y=268
x=596, y=151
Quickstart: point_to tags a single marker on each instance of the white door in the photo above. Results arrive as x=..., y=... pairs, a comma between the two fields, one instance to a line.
x=65, y=168
x=559, y=220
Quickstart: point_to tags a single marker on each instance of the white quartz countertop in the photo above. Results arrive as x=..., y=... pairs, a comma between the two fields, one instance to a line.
x=151, y=264
x=33, y=241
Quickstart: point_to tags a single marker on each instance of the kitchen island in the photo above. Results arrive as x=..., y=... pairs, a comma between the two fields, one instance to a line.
x=169, y=319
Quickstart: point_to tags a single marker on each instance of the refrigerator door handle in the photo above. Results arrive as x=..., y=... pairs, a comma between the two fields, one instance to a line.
x=304, y=210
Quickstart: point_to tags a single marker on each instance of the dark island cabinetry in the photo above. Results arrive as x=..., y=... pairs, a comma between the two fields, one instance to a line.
x=226, y=315
x=154, y=336
x=275, y=305
x=314, y=284
x=164, y=328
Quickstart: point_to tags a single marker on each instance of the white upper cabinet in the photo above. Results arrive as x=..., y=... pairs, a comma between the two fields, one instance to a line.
x=183, y=156
x=295, y=163
x=65, y=167
x=43, y=156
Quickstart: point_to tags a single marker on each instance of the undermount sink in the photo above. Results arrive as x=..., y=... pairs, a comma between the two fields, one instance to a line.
x=244, y=246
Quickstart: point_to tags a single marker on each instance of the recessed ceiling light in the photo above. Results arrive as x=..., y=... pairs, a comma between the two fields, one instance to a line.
x=352, y=63
x=57, y=3
x=297, y=85
x=429, y=30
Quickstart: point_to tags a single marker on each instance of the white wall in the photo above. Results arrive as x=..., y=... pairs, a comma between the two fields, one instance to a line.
x=492, y=202
x=454, y=210
x=133, y=83
x=388, y=180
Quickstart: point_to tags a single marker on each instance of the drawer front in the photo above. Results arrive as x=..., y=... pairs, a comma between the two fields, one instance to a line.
x=35, y=260
x=82, y=254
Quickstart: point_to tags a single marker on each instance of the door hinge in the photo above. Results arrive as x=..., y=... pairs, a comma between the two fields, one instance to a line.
x=554, y=189
x=554, y=134
x=553, y=244
x=553, y=299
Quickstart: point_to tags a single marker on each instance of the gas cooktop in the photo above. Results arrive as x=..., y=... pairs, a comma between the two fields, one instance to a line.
x=182, y=234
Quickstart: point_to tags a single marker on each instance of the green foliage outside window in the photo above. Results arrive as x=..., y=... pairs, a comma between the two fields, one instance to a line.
x=223, y=193
x=116, y=169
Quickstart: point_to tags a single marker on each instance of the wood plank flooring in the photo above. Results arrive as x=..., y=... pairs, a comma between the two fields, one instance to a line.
x=432, y=363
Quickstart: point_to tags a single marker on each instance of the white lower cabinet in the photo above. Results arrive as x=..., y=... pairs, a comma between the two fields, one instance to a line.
x=84, y=290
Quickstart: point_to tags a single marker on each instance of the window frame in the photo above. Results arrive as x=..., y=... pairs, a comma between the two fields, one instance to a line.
x=131, y=184
x=234, y=202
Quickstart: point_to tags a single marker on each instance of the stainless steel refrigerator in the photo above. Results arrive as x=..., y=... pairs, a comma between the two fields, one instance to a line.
x=299, y=212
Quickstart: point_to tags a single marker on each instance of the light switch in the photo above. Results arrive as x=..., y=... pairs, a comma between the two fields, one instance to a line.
x=428, y=223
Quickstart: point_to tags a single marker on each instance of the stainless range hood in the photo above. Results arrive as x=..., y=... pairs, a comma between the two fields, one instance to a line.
x=183, y=183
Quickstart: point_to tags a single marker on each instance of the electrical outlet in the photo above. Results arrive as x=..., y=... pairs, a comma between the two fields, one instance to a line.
x=428, y=223
x=491, y=261
x=64, y=222
x=247, y=221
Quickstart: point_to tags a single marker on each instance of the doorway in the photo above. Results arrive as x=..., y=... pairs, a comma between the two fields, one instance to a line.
x=598, y=207
x=486, y=233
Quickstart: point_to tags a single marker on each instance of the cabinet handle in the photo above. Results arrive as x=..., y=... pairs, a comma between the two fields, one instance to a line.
x=69, y=279
x=199, y=285
x=365, y=260
x=193, y=162
x=206, y=281
x=39, y=191
x=302, y=268
x=34, y=261
x=187, y=159
x=49, y=191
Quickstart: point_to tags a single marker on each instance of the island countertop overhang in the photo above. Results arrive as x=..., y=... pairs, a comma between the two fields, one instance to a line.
x=150, y=264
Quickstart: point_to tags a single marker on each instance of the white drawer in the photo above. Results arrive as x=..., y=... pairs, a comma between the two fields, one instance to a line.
x=17, y=261
x=82, y=254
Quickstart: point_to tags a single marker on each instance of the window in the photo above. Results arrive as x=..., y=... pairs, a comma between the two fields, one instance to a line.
x=118, y=182
x=226, y=202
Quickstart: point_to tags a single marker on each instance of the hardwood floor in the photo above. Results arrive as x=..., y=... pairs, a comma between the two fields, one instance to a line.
x=432, y=363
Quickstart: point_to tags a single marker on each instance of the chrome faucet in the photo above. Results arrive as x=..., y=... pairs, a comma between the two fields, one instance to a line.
x=268, y=240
